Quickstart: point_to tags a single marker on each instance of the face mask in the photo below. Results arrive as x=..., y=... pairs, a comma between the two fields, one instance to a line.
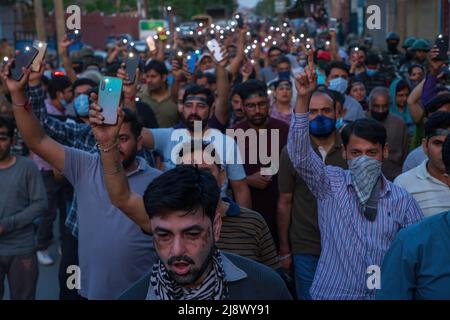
x=339, y=84
x=339, y=123
x=371, y=72
x=365, y=172
x=379, y=116
x=64, y=103
x=321, y=126
x=392, y=47
x=81, y=105
x=284, y=75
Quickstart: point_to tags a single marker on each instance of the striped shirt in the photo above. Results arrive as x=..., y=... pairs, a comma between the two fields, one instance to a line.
x=246, y=233
x=350, y=243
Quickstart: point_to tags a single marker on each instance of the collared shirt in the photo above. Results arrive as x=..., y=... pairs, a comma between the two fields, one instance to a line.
x=71, y=134
x=417, y=265
x=351, y=244
x=414, y=158
x=432, y=194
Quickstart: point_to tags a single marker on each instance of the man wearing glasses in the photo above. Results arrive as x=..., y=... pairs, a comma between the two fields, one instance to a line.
x=271, y=137
x=397, y=135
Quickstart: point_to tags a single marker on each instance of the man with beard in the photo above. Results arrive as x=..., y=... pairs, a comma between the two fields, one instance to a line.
x=397, y=133
x=183, y=214
x=359, y=210
x=297, y=207
x=23, y=199
x=157, y=94
x=197, y=103
x=113, y=252
x=263, y=187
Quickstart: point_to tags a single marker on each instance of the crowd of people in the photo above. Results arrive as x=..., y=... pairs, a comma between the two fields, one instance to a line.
x=362, y=138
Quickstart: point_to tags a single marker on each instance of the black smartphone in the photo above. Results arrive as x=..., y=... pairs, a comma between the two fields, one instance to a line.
x=23, y=60
x=74, y=35
x=442, y=44
x=131, y=65
x=239, y=20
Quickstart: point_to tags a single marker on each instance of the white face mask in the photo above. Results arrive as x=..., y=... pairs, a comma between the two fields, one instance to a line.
x=339, y=84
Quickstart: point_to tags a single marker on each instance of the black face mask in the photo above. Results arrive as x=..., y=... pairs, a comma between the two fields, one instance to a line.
x=392, y=47
x=379, y=116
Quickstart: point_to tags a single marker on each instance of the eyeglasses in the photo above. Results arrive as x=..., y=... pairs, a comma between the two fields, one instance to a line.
x=252, y=106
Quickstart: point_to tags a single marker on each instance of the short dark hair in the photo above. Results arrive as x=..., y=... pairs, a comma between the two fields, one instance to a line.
x=58, y=84
x=210, y=77
x=438, y=120
x=183, y=188
x=83, y=82
x=131, y=118
x=273, y=48
x=327, y=92
x=277, y=83
x=283, y=59
x=367, y=129
x=193, y=146
x=446, y=154
x=237, y=89
x=8, y=123
x=195, y=89
x=337, y=96
x=434, y=104
x=337, y=65
x=410, y=69
x=158, y=66
x=251, y=87
x=401, y=85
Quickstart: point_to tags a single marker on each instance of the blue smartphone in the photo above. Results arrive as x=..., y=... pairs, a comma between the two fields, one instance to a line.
x=192, y=62
x=109, y=94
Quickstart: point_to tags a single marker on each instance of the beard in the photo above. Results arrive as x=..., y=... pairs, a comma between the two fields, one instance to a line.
x=127, y=162
x=194, y=274
x=257, y=120
x=190, y=122
x=4, y=154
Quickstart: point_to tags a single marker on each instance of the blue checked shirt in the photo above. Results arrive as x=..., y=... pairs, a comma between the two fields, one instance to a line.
x=350, y=243
x=71, y=134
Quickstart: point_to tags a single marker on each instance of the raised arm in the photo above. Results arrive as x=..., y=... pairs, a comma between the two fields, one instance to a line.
x=223, y=87
x=29, y=126
x=414, y=107
x=114, y=175
x=240, y=54
x=305, y=161
x=66, y=61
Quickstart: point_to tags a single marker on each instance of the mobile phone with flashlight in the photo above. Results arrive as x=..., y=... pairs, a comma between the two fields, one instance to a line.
x=332, y=24
x=23, y=60
x=214, y=47
x=42, y=49
x=192, y=62
x=239, y=20
x=151, y=43
x=74, y=35
x=133, y=61
x=441, y=43
x=109, y=94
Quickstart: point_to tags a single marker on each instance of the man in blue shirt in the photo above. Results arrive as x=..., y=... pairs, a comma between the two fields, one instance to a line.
x=417, y=266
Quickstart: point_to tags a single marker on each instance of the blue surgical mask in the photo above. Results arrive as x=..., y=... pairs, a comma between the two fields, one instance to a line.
x=64, y=103
x=371, y=72
x=339, y=84
x=339, y=123
x=81, y=105
x=321, y=126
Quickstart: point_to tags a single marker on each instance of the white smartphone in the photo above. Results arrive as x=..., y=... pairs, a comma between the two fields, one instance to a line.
x=42, y=49
x=214, y=47
x=151, y=43
x=332, y=24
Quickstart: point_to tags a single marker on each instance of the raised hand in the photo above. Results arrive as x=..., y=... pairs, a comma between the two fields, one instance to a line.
x=435, y=65
x=306, y=81
x=104, y=134
x=12, y=85
x=64, y=44
x=129, y=89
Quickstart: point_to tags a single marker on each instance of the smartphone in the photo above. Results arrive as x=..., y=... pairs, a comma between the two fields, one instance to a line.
x=239, y=20
x=214, y=47
x=74, y=35
x=442, y=44
x=23, y=60
x=109, y=93
x=332, y=24
x=192, y=62
x=151, y=43
x=42, y=48
x=131, y=65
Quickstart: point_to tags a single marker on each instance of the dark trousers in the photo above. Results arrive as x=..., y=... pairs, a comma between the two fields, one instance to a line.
x=58, y=195
x=22, y=272
x=69, y=257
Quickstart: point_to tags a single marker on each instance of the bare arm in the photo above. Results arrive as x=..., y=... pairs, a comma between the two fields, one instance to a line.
x=236, y=62
x=66, y=61
x=114, y=175
x=223, y=87
x=29, y=126
x=241, y=193
x=334, y=46
x=284, y=222
x=413, y=103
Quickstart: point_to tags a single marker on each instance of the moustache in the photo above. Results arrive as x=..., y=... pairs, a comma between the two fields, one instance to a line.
x=194, y=117
x=183, y=258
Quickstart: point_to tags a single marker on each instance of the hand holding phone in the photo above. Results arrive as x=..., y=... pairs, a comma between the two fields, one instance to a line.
x=442, y=44
x=109, y=94
x=239, y=20
x=332, y=24
x=215, y=48
x=42, y=49
x=23, y=60
x=74, y=35
x=131, y=65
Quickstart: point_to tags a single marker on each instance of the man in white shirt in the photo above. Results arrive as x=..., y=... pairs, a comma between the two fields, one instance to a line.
x=427, y=182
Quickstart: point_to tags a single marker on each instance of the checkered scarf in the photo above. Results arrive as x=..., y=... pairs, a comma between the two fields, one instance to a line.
x=365, y=172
